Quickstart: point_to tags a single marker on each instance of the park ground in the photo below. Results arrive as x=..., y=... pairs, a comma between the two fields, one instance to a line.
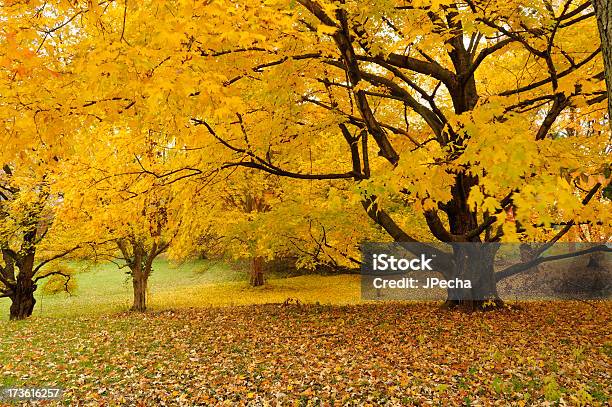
x=210, y=339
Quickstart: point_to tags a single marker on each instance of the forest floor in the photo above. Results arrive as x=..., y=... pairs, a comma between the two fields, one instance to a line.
x=541, y=353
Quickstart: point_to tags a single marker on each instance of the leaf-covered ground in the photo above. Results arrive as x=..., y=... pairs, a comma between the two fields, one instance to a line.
x=390, y=354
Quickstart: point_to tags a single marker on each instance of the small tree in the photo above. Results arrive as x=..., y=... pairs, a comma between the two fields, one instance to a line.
x=248, y=201
x=128, y=214
x=138, y=253
x=130, y=233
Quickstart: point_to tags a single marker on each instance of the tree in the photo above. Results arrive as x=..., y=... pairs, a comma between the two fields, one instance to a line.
x=27, y=208
x=271, y=222
x=603, y=10
x=128, y=217
x=39, y=112
x=457, y=110
x=129, y=232
x=139, y=247
x=465, y=101
x=139, y=256
x=250, y=202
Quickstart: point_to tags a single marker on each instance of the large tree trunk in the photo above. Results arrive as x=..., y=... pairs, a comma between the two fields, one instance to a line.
x=22, y=299
x=257, y=275
x=475, y=263
x=474, y=260
x=603, y=10
x=139, y=282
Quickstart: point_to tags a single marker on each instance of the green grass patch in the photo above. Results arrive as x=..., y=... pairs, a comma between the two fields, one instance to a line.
x=104, y=289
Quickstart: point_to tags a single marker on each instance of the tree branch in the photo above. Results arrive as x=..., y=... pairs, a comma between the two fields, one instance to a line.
x=518, y=268
x=507, y=200
x=383, y=219
x=264, y=165
x=560, y=102
x=57, y=256
x=6, y=294
x=343, y=40
x=485, y=53
x=537, y=84
x=53, y=273
x=569, y=224
x=437, y=227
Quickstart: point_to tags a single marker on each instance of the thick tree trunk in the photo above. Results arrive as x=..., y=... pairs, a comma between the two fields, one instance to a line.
x=257, y=275
x=22, y=300
x=474, y=260
x=475, y=263
x=603, y=10
x=139, y=282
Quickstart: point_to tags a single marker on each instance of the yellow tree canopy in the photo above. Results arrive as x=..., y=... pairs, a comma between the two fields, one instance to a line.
x=488, y=118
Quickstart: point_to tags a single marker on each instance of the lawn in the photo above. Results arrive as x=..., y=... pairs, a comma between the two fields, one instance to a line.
x=103, y=289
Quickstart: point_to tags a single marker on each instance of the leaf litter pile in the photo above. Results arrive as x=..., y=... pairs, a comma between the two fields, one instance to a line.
x=390, y=354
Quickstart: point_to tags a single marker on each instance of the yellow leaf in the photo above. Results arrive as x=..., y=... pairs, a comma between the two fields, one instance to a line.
x=323, y=29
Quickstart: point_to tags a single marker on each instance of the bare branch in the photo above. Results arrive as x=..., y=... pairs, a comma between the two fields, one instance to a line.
x=566, y=72
x=518, y=268
x=57, y=256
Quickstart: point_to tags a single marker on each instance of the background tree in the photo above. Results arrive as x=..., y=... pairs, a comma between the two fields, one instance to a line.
x=302, y=229
x=130, y=216
x=249, y=202
x=28, y=238
x=130, y=233
x=139, y=254
x=141, y=239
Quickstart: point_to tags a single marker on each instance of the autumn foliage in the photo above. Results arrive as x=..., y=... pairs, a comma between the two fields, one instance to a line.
x=291, y=132
x=379, y=354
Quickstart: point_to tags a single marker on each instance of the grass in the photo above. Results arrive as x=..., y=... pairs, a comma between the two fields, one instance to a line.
x=103, y=289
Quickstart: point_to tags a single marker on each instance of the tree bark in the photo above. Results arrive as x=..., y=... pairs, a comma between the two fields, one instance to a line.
x=22, y=299
x=475, y=262
x=603, y=10
x=139, y=259
x=139, y=282
x=257, y=274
